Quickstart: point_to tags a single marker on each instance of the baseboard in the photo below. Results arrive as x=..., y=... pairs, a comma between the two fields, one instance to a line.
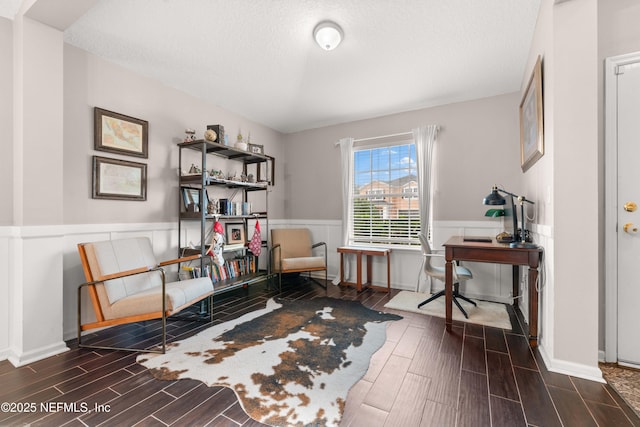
x=592, y=373
x=22, y=359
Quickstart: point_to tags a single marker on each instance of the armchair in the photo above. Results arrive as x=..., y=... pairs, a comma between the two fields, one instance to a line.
x=126, y=284
x=292, y=252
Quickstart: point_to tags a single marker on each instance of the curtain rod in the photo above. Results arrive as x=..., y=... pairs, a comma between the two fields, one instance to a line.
x=383, y=136
x=380, y=137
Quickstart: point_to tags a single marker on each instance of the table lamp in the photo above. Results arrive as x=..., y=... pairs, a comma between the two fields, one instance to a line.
x=494, y=199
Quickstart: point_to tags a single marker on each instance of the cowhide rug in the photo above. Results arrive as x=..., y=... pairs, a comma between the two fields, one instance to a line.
x=290, y=364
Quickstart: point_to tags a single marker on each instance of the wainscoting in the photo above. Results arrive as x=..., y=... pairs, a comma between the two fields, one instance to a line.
x=40, y=272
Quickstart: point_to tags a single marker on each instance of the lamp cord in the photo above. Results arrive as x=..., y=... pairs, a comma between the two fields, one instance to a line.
x=530, y=219
x=542, y=273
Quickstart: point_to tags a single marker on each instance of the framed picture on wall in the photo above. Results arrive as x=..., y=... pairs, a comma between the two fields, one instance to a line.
x=120, y=134
x=119, y=179
x=235, y=233
x=531, y=120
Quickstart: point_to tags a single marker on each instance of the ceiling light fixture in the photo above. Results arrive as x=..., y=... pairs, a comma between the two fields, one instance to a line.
x=328, y=35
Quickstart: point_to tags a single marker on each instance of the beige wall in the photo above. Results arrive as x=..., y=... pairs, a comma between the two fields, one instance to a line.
x=478, y=146
x=6, y=121
x=37, y=156
x=566, y=38
x=618, y=30
x=90, y=81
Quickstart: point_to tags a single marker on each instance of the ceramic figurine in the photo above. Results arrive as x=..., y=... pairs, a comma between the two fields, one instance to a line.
x=191, y=135
x=211, y=207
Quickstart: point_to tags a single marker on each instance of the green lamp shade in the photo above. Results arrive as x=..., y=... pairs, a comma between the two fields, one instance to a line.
x=494, y=212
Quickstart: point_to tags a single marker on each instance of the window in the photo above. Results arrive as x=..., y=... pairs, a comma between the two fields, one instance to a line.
x=410, y=191
x=376, y=194
x=385, y=205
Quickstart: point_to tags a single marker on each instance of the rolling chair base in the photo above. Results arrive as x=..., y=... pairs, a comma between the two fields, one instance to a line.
x=456, y=295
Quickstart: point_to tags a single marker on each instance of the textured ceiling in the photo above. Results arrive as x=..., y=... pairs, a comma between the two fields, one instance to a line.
x=8, y=8
x=258, y=58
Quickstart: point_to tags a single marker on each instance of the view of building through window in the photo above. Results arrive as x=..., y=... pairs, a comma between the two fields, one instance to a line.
x=385, y=204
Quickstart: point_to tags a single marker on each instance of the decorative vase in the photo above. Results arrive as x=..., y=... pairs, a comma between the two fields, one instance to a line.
x=240, y=144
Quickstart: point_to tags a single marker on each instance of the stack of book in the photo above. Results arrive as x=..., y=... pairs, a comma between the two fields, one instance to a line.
x=230, y=208
x=231, y=269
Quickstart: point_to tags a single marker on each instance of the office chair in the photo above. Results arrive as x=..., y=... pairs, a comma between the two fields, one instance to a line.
x=460, y=274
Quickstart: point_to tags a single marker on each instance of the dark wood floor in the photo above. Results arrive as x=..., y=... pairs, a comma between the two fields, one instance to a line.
x=422, y=376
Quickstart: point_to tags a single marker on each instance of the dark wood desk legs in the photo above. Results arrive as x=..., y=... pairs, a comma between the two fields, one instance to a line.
x=516, y=285
x=533, y=306
x=533, y=297
x=448, y=293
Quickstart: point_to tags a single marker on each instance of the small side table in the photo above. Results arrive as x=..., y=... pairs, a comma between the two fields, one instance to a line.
x=359, y=251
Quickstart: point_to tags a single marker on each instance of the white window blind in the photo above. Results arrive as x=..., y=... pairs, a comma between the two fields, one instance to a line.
x=385, y=204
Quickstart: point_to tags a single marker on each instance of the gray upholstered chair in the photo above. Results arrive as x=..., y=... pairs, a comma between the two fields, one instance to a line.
x=460, y=274
x=292, y=252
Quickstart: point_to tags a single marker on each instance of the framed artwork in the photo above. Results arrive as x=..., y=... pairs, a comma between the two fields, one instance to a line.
x=120, y=134
x=235, y=233
x=191, y=199
x=119, y=179
x=531, y=120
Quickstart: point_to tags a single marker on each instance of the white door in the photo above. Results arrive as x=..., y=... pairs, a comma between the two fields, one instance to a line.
x=628, y=231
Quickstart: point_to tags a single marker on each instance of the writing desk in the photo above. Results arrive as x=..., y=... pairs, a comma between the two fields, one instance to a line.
x=456, y=249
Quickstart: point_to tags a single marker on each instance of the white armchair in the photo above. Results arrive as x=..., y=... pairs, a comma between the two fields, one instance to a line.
x=126, y=284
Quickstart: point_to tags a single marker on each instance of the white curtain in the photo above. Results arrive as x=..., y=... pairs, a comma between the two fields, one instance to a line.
x=425, y=139
x=346, y=152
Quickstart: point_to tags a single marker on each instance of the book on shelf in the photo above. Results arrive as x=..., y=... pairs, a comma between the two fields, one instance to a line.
x=232, y=268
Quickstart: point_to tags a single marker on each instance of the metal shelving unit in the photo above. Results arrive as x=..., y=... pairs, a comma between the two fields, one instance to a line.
x=201, y=182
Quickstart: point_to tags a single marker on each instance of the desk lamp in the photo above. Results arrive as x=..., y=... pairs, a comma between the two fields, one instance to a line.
x=494, y=198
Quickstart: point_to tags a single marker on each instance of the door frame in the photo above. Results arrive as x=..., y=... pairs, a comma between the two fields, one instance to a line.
x=610, y=199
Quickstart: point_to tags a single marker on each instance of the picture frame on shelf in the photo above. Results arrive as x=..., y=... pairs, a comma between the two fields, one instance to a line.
x=531, y=120
x=235, y=233
x=115, y=179
x=120, y=134
x=256, y=149
x=191, y=198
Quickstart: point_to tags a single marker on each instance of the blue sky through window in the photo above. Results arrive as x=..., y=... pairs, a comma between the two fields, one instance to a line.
x=384, y=163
